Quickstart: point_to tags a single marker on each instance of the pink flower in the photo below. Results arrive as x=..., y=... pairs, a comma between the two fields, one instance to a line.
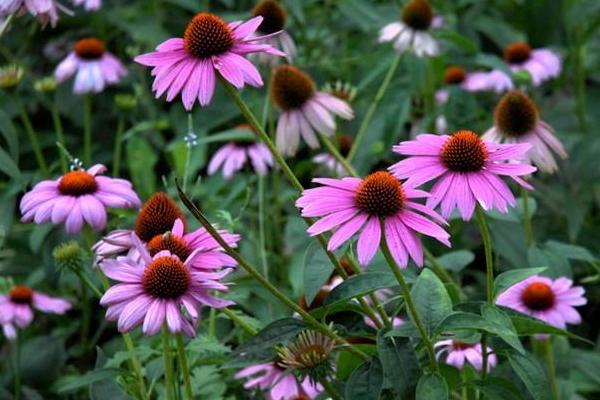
x=396, y=322
x=45, y=10
x=517, y=120
x=459, y=352
x=187, y=65
x=467, y=170
x=350, y=205
x=77, y=196
x=274, y=18
x=89, y=5
x=279, y=383
x=330, y=162
x=15, y=309
x=93, y=65
x=475, y=81
x=156, y=290
x=234, y=155
x=542, y=64
x=304, y=109
x=551, y=301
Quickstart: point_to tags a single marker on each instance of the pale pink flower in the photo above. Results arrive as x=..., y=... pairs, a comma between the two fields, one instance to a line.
x=234, y=155
x=542, y=64
x=89, y=5
x=475, y=81
x=46, y=11
x=458, y=352
x=274, y=19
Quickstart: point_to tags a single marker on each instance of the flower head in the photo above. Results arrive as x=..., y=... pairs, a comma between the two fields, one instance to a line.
x=44, y=10
x=475, y=81
x=233, y=156
x=411, y=33
x=304, y=110
x=329, y=161
x=93, y=66
x=342, y=90
x=551, y=301
x=274, y=19
x=458, y=352
x=77, y=197
x=517, y=120
x=10, y=75
x=467, y=170
x=16, y=308
x=350, y=205
x=159, y=289
x=89, y=5
x=309, y=355
x=188, y=65
x=542, y=64
x=69, y=256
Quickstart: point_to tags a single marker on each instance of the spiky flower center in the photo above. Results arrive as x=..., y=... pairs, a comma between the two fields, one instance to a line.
x=460, y=345
x=345, y=145
x=538, y=296
x=380, y=194
x=273, y=16
x=21, y=295
x=89, y=48
x=417, y=14
x=517, y=53
x=168, y=241
x=166, y=278
x=207, y=35
x=77, y=183
x=291, y=87
x=454, y=75
x=464, y=151
x=516, y=114
x=156, y=217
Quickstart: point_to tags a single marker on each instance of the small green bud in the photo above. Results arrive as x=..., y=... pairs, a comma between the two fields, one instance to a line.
x=45, y=85
x=10, y=75
x=69, y=256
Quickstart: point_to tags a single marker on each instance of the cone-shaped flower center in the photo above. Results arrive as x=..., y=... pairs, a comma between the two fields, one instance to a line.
x=517, y=53
x=89, y=48
x=21, y=295
x=538, y=296
x=77, y=183
x=168, y=241
x=460, y=345
x=516, y=114
x=345, y=145
x=300, y=397
x=417, y=14
x=290, y=87
x=207, y=35
x=273, y=16
x=380, y=194
x=156, y=217
x=166, y=278
x=464, y=152
x=454, y=75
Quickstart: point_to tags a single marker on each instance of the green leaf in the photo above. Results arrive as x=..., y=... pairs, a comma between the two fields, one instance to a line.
x=431, y=299
x=9, y=167
x=399, y=361
x=141, y=159
x=509, y=278
x=497, y=389
x=366, y=381
x=74, y=382
x=460, y=41
x=359, y=285
x=532, y=374
x=497, y=30
x=571, y=251
x=273, y=334
x=7, y=128
x=501, y=325
x=456, y=261
x=317, y=270
x=432, y=387
x=557, y=262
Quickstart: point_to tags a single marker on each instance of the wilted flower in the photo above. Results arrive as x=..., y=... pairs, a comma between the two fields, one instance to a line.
x=458, y=352
x=274, y=18
x=10, y=75
x=542, y=64
x=309, y=355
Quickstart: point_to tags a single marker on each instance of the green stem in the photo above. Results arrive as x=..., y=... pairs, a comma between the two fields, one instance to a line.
x=410, y=304
x=252, y=271
x=60, y=136
x=331, y=391
x=87, y=282
x=527, y=217
x=336, y=154
x=362, y=130
x=35, y=143
x=549, y=355
x=185, y=369
x=238, y=321
x=580, y=95
x=17, y=364
x=118, y=150
x=86, y=315
x=87, y=130
x=135, y=364
x=212, y=318
x=380, y=308
x=188, y=154
x=6, y=24
x=261, y=226
x=169, y=381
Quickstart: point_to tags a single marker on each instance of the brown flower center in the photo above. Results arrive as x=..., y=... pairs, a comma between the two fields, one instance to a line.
x=290, y=87
x=168, y=241
x=156, y=217
x=464, y=152
x=516, y=114
x=77, y=183
x=538, y=296
x=417, y=14
x=454, y=75
x=89, y=48
x=21, y=295
x=460, y=345
x=380, y=194
x=166, y=278
x=345, y=145
x=207, y=35
x=273, y=16
x=517, y=53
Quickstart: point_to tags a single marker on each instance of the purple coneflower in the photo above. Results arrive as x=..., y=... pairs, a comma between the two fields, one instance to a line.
x=517, y=120
x=188, y=65
x=89, y=5
x=304, y=109
x=16, y=308
x=274, y=18
x=44, y=10
x=233, y=156
x=78, y=197
x=542, y=64
x=467, y=170
x=475, y=81
x=350, y=205
x=93, y=65
x=458, y=352
x=328, y=161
